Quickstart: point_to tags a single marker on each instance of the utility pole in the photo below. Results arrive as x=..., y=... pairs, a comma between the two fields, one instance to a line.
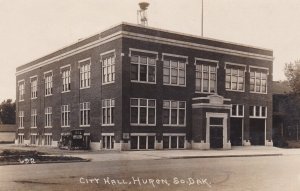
x=202, y=20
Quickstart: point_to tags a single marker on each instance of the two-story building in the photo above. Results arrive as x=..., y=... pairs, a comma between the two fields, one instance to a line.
x=136, y=87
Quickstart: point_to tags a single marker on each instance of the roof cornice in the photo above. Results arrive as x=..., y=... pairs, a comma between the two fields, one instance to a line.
x=144, y=37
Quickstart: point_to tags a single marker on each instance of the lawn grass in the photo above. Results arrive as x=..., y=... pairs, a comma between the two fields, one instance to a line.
x=12, y=156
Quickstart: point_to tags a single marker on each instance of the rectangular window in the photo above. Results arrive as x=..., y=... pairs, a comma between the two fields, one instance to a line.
x=258, y=82
x=173, y=142
x=85, y=114
x=142, y=111
x=48, y=117
x=258, y=111
x=21, y=90
x=251, y=110
x=33, y=117
x=237, y=110
x=174, y=113
x=20, y=139
x=206, y=78
x=215, y=121
x=142, y=142
x=33, y=83
x=108, y=109
x=66, y=80
x=235, y=79
x=108, y=142
x=85, y=74
x=65, y=115
x=108, y=69
x=33, y=139
x=21, y=119
x=48, y=140
x=174, y=72
x=263, y=111
x=48, y=83
x=143, y=69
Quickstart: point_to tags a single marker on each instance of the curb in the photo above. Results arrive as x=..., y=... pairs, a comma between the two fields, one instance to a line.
x=225, y=156
x=46, y=162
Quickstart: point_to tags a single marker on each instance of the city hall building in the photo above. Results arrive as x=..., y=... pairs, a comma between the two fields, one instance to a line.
x=133, y=87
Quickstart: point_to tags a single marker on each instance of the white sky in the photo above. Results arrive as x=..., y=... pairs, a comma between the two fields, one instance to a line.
x=30, y=29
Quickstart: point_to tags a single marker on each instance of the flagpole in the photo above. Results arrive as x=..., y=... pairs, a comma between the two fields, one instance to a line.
x=202, y=21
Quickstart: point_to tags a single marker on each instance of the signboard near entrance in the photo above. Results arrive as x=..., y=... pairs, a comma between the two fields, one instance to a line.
x=125, y=135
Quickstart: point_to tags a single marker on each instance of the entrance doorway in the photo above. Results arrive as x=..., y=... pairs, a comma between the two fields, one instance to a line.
x=257, y=131
x=216, y=137
x=216, y=132
x=236, y=131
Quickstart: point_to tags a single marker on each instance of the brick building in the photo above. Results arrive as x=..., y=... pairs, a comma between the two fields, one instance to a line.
x=136, y=87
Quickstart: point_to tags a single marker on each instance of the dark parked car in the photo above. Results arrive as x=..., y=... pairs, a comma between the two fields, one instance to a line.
x=73, y=140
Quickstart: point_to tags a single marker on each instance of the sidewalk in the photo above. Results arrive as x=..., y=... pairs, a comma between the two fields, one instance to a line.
x=249, y=151
x=107, y=155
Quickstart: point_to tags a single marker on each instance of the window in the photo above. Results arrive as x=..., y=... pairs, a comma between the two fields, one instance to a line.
x=85, y=114
x=143, y=69
x=143, y=111
x=258, y=111
x=173, y=142
x=173, y=113
x=206, y=78
x=237, y=110
x=21, y=90
x=48, y=140
x=108, y=109
x=216, y=121
x=33, y=82
x=174, y=72
x=85, y=73
x=33, y=139
x=33, y=117
x=258, y=82
x=21, y=119
x=20, y=138
x=48, y=84
x=48, y=117
x=108, y=69
x=263, y=111
x=235, y=79
x=65, y=116
x=142, y=142
x=66, y=80
x=108, y=142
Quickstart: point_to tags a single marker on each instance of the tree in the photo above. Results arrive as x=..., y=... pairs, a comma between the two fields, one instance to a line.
x=8, y=112
x=292, y=73
x=291, y=102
